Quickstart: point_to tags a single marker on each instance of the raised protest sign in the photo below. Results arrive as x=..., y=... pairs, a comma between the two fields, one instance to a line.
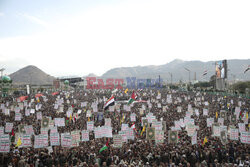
x=234, y=134
x=245, y=137
x=1, y=130
x=4, y=143
x=90, y=125
x=18, y=116
x=190, y=129
x=54, y=139
x=41, y=141
x=53, y=129
x=85, y=135
x=159, y=136
x=133, y=117
x=117, y=141
x=107, y=122
x=59, y=122
x=26, y=140
x=66, y=140
x=29, y=130
x=39, y=116
x=194, y=138
x=8, y=127
x=76, y=136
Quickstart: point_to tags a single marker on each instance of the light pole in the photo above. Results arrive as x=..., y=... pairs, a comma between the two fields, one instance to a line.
x=188, y=73
x=2, y=69
x=171, y=75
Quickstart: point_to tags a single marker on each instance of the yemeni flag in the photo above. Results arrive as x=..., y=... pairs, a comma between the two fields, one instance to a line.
x=110, y=102
x=248, y=68
x=204, y=73
x=104, y=147
x=132, y=98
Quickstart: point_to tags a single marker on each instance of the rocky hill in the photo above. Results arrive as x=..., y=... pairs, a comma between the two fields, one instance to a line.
x=31, y=75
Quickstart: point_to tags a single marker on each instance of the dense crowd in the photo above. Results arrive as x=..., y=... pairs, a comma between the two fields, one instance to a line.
x=137, y=152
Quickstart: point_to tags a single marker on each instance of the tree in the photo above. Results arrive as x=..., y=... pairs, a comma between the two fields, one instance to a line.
x=241, y=86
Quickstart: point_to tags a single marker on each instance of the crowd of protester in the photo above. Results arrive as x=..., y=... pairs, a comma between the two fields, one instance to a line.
x=137, y=152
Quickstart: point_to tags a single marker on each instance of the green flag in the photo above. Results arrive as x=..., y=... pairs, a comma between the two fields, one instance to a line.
x=132, y=98
x=104, y=147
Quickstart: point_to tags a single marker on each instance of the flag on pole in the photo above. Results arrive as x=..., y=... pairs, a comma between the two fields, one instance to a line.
x=248, y=68
x=204, y=73
x=204, y=141
x=132, y=98
x=126, y=91
x=123, y=118
x=19, y=142
x=133, y=126
x=104, y=147
x=143, y=130
x=110, y=102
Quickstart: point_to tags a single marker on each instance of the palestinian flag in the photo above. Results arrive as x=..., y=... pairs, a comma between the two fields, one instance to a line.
x=204, y=73
x=104, y=147
x=110, y=102
x=132, y=98
x=248, y=68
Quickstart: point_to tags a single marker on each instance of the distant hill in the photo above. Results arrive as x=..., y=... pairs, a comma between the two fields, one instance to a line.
x=176, y=67
x=31, y=75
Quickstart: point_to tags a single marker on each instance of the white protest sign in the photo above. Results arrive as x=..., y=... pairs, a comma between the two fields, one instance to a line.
x=245, y=137
x=234, y=134
x=29, y=130
x=90, y=125
x=4, y=143
x=18, y=116
x=26, y=140
x=117, y=141
x=59, y=122
x=39, y=115
x=54, y=139
x=194, y=138
x=85, y=135
x=8, y=127
x=66, y=140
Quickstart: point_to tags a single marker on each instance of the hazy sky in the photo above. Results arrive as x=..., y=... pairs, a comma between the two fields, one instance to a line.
x=77, y=37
